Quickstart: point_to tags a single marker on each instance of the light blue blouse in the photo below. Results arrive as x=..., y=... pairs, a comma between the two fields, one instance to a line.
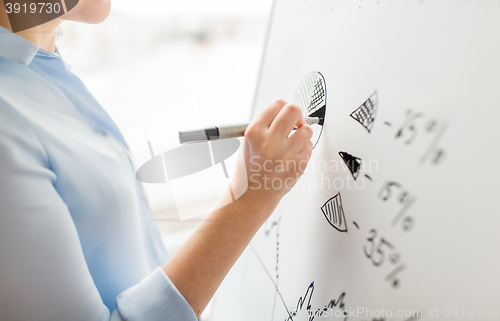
x=78, y=240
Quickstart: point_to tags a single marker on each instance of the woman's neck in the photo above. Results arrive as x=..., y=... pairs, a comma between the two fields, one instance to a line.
x=43, y=36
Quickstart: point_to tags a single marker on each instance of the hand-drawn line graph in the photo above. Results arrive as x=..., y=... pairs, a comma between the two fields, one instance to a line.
x=272, y=281
x=275, y=224
x=291, y=313
x=268, y=232
x=367, y=112
x=311, y=98
x=338, y=303
x=334, y=213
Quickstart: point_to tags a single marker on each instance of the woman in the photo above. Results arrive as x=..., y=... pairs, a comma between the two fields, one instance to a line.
x=77, y=237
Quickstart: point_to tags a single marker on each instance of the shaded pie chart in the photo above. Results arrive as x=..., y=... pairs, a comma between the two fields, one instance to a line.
x=311, y=98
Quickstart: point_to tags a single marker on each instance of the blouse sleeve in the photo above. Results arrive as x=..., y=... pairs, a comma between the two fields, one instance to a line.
x=43, y=272
x=154, y=298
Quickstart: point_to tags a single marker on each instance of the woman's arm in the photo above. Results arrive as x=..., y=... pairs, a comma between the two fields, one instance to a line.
x=201, y=264
x=44, y=272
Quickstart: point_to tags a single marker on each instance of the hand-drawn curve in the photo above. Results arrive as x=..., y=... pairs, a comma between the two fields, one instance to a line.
x=311, y=98
x=304, y=303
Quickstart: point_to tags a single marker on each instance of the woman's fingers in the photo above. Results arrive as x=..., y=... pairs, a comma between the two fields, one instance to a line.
x=267, y=116
x=285, y=121
x=300, y=138
x=269, y=145
x=306, y=152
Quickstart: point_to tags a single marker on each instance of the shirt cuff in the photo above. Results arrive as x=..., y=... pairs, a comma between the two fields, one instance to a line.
x=154, y=298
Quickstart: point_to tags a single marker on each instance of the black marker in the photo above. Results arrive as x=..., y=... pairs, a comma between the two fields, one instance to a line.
x=225, y=131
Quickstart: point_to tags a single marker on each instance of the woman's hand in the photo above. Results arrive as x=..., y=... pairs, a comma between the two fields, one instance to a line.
x=274, y=160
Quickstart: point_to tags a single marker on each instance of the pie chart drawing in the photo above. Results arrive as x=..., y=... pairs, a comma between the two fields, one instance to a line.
x=311, y=98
